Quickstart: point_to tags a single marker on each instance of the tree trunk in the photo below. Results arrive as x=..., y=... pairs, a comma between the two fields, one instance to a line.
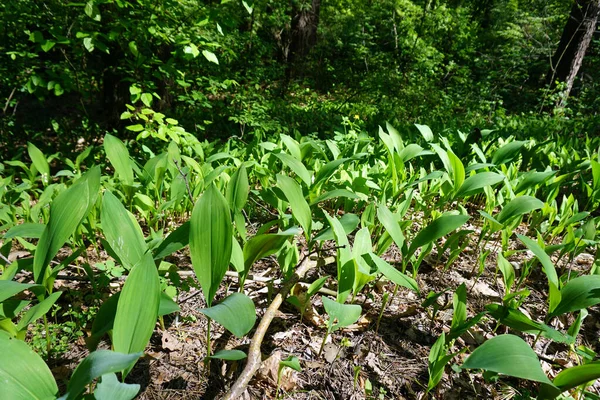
x=305, y=21
x=573, y=44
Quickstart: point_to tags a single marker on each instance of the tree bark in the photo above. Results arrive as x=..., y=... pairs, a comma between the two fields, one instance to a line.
x=574, y=42
x=305, y=21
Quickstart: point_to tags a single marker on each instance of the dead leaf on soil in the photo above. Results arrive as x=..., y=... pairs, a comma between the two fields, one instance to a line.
x=170, y=342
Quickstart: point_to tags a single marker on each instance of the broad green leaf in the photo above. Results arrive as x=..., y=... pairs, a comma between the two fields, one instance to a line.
x=291, y=362
x=236, y=313
x=328, y=169
x=426, y=132
x=438, y=358
x=435, y=230
x=340, y=315
x=229, y=355
x=409, y=152
x=572, y=377
x=459, y=302
x=111, y=389
x=121, y=231
x=292, y=145
x=300, y=208
x=210, y=56
x=335, y=193
x=104, y=322
x=508, y=272
x=118, y=155
x=532, y=179
x=10, y=288
x=579, y=293
x=517, y=207
x=516, y=320
x=238, y=188
x=237, y=256
x=508, y=152
x=38, y=311
x=475, y=184
x=345, y=262
x=507, y=355
x=210, y=240
x=176, y=240
x=26, y=230
x=349, y=223
x=23, y=373
x=543, y=257
x=393, y=274
x=261, y=246
x=97, y=364
x=39, y=161
x=67, y=211
x=458, y=170
x=389, y=221
x=167, y=305
x=296, y=166
x=137, y=308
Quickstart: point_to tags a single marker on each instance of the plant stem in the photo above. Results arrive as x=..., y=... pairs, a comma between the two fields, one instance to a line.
x=323, y=344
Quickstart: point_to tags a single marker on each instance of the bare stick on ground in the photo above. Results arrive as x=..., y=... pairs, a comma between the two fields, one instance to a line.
x=254, y=353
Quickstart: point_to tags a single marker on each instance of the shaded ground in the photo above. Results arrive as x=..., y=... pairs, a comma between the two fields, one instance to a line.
x=359, y=362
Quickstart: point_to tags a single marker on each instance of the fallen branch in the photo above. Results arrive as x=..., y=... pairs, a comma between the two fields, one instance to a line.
x=254, y=353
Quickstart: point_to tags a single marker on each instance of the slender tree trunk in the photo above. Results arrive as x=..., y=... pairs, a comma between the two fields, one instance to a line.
x=574, y=42
x=305, y=21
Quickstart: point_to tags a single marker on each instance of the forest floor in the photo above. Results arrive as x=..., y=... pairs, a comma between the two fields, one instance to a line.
x=384, y=358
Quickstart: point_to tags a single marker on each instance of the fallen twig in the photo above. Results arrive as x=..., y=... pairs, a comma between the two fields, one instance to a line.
x=254, y=353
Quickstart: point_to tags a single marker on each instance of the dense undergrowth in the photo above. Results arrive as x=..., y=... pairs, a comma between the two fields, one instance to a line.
x=388, y=202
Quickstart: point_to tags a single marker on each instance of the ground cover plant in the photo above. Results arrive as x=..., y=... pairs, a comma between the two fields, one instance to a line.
x=306, y=199
x=485, y=263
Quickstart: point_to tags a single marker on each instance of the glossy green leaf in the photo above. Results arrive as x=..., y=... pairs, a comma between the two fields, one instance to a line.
x=26, y=230
x=39, y=161
x=291, y=362
x=67, y=211
x=459, y=303
x=425, y=132
x=105, y=318
x=508, y=152
x=137, y=308
x=176, y=240
x=579, y=293
x=23, y=373
x=389, y=221
x=517, y=207
x=121, y=231
x=458, y=170
x=97, y=364
x=507, y=355
x=435, y=230
x=543, y=257
x=210, y=240
x=238, y=188
x=236, y=313
x=10, y=288
x=118, y=155
x=393, y=274
x=516, y=320
x=508, y=272
x=475, y=183
x=572, y=377
x=167, y=305
x=532, y=179
x=300, y=208
x=296, y=166
x=261, y=246
x=111, y=389
x=340, y=315
x=38, y=311
x=229, y=355
x=349, y=223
